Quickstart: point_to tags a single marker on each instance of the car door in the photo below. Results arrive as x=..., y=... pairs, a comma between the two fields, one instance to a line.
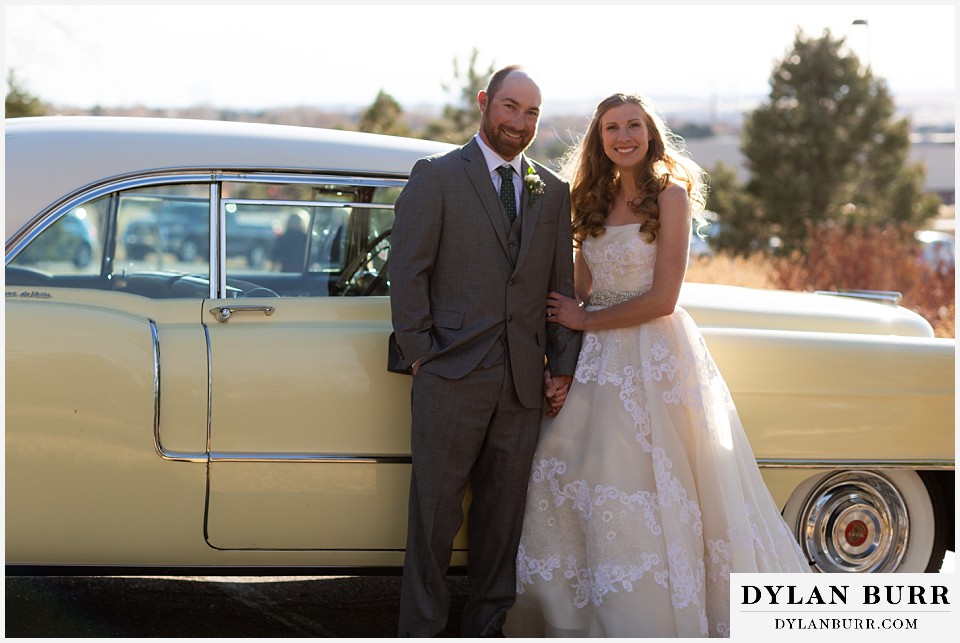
x=309, y=437
x=106, y=405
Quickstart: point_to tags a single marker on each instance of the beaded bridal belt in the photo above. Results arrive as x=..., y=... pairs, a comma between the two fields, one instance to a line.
x=605, y=298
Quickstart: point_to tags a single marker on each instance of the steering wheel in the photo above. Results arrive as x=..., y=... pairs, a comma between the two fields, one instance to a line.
x=366, y=271
x=260, y=291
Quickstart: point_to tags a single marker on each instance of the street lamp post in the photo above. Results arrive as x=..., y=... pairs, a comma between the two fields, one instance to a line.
x=859, y=22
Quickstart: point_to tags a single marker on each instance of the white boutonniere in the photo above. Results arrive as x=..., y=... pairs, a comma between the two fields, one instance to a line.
x=535, y=185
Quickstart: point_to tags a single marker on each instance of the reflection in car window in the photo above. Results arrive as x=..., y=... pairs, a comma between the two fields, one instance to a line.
x=163, y=241
x=370, y=192
x=286, y=240
x=324, y=240
x=152, y=242
x=386, y=195
x=295, y=192
x=70, y=246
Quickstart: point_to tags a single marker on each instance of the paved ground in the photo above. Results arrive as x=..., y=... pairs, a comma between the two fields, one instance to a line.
x=88, y=606
x=103, y=606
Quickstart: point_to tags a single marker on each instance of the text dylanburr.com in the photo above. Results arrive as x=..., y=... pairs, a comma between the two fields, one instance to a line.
x=847, y=607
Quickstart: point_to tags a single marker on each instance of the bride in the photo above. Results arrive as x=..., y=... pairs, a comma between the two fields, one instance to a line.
x=644, y=494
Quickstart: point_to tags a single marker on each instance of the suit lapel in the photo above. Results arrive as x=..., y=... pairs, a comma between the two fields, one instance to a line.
x=476, y=168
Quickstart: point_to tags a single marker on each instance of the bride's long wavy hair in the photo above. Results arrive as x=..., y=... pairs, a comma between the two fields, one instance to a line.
x=595, y=180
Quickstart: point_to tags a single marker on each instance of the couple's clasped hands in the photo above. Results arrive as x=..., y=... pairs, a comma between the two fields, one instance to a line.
x=566, y=312
x=555, y=389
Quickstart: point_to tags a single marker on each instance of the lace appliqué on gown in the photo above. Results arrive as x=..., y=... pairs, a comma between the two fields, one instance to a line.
x=615, y=539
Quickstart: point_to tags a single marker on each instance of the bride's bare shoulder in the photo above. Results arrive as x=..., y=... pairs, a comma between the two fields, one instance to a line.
x=674, y=197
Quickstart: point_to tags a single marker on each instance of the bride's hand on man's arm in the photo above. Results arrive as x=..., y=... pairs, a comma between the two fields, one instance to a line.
x=566, y=311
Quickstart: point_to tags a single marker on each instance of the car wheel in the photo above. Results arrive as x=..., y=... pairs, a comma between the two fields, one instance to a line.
x=867, y=521
x=188, y=251
x=83, y=255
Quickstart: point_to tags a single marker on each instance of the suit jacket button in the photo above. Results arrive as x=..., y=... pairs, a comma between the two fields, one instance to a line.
x=512, y=282
x=509, y=318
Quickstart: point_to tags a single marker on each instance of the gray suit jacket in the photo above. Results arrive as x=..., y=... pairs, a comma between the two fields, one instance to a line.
x=454, y=287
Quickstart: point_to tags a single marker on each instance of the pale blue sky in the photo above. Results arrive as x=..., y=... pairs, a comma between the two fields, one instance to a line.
x=256, y=56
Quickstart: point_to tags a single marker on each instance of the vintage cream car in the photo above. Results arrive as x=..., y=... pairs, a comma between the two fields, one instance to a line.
x=206, y=413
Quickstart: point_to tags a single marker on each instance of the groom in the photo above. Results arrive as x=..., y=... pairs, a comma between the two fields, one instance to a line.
x=481, y=235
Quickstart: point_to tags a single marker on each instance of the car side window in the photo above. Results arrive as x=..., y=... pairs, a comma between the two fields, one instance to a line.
x=152, y=242
x=308, y=240
x=282, y=238
x=163, y=241
x=70, y=247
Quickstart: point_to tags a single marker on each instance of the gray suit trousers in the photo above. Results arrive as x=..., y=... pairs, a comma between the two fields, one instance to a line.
x=475, y=431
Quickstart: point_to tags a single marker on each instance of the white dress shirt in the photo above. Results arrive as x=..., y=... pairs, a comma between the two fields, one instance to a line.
x=494, y=161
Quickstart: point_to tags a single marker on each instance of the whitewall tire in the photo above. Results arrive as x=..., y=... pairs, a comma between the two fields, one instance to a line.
x=865, y=521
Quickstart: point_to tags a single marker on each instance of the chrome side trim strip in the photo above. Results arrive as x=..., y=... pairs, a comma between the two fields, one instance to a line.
x=790, y=463
x=210, y=456
x=766, y=463
x=183, y=456
x=329, y=458
x=163, y=453
x=155, y=337
x=206, y=337
x=888, y=297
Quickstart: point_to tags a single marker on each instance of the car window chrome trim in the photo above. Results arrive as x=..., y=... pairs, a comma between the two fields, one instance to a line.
x=309, y=204
x=163, y=453
x=218, y=245
x=800, y=463
x=55, y=211
x=368, y=181
x=160, y=176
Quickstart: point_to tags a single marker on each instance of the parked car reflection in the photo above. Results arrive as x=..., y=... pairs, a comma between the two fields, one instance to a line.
x=181, y=228
x=937, y=249
x=72, y=238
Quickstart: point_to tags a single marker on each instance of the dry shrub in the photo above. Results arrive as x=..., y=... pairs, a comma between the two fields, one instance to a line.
x=933, y=297
x=872, y=258
x=751, y=272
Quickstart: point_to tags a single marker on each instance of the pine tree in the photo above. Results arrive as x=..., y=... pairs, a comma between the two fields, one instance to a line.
x=461, y=120
x=19, y=102
x=384, y=117
x=825, y=147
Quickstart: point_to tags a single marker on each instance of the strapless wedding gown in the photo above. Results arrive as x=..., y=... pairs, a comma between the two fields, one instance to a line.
x=644, y=493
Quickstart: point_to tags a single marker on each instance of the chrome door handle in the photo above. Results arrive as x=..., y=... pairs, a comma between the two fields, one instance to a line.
x=224, y=313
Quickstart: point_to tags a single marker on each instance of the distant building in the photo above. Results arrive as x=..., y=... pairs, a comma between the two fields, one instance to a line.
x=936, y=152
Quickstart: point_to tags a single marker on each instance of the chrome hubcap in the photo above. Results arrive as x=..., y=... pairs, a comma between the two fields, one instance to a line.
x=854, y=521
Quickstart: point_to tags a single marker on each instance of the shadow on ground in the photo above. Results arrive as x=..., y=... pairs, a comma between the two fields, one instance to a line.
x=96, y=606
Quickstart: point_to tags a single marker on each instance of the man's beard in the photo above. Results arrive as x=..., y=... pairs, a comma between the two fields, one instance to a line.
x=503, y=145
